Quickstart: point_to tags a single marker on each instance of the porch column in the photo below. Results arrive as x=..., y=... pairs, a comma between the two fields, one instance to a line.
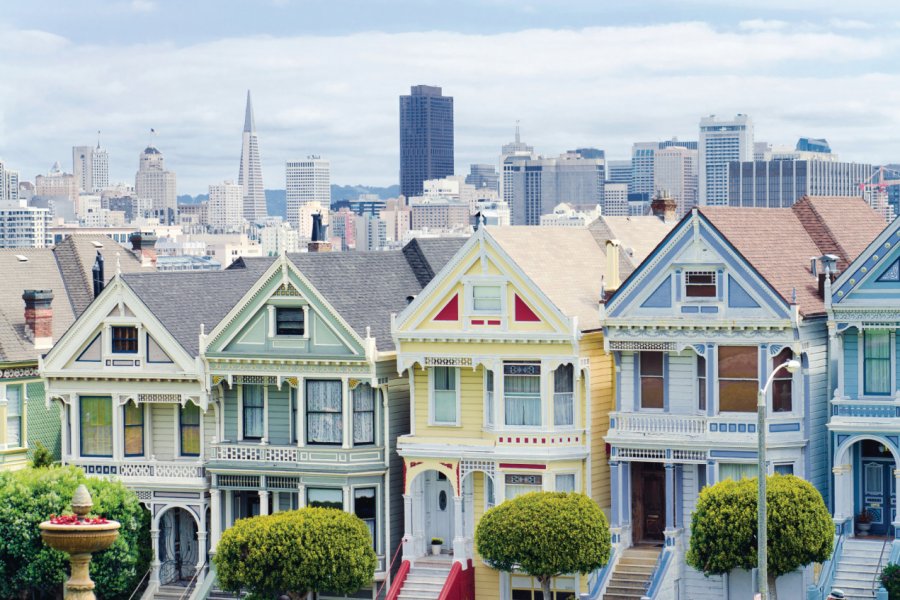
x=154, y=563
x=896, y=522
x=670, y=501
x=346, y=409
x=215, y=511
x=263, y=502
x=201, y=550
x=459, y=540
x=843, y=492
x=421, y=544
x=408, y=551
x=229, y=509
x=615, y=519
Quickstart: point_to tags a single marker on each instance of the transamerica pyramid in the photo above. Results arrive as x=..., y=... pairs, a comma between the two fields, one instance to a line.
x=250, y=176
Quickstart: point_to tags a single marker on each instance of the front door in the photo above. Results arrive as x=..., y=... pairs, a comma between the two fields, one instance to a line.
x=648, y=501
x=878, y=496
x=439, y=499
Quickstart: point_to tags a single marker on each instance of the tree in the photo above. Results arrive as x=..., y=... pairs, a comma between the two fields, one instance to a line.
x=28, y=567
x=723, y=527
x=42, y=457
x=544, y=534
x=295, y=553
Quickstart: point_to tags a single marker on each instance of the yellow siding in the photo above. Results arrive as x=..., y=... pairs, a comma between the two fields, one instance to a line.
x=487, y=580
x=602, y=382
x=471, y=404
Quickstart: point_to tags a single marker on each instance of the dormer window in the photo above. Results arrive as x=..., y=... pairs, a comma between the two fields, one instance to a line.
x=289, y=321
x=124, y=340
x=486, y=298
x=700, y=284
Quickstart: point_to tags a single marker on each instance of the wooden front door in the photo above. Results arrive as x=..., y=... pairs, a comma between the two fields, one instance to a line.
x=648, y=501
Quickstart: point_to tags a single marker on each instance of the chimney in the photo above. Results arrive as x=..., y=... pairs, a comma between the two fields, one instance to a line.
x=829, y=270
x=135, y=240
x=97, y=272
x=39, y=318
x=664, y=207
x=612, y=265
x=319, y=241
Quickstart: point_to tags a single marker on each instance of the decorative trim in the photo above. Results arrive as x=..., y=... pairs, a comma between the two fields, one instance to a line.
x=447, y=361
x=642, y=346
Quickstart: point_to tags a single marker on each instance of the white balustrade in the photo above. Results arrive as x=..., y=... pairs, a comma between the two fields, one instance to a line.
x=141, y=468
x=242, y=452
x=651, y=424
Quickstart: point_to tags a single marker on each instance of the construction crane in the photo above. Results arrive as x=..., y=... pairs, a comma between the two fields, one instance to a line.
x=875, y=191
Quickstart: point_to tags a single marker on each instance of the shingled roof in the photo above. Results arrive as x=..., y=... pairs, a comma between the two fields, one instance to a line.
x=779, y=242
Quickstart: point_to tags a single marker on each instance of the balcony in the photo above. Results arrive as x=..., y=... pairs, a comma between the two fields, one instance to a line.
x=700, y=431
x=866, y=409
x=181, y=472
x=297, y=456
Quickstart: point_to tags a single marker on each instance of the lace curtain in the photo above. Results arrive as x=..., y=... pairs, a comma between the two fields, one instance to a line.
x=522, y=396
x=877, y=355
x=364, y=414
x=563, y=397
x=324, y=424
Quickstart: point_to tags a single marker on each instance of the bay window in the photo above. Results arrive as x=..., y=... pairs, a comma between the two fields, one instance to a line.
x=364, y=414
x=876, y=362
x=96, y=426
x=701, y=382
x=522, y=394
x=189, y=429
x=254, y=411
x=738, y=378
x=134, y=429
x=488, y=397
x=324, y=421
x=445, y=395
x=365, y=507
x=737, y=471
x=563, y=395
x=650, y=365
x=325, y=498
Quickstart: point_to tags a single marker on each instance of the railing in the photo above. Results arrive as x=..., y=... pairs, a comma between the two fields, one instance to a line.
x=127, y=468
x=865, y=409
x=597, y=580
x=295, y=454
x=388, y=570
x=876, y=583
x=260, y=453
x=397, y=585
x=659, y=572
x=826, y=576
x=460, y=584
x=140, y=584
x=209, y=582
x=654, y=424
x=192, y=582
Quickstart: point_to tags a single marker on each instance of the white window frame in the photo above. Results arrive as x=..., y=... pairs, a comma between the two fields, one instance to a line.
x=702, y=270
x=499, y=298
x=490, y=408
x=469, y=283
x=431, y=397
x=574, y=474
x=543, y=392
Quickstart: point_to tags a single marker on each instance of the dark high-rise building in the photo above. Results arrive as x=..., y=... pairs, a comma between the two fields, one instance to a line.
x=484, y=177
x=426, y=138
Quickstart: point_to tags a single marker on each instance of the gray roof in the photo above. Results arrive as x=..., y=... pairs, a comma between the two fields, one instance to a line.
x=428, y=256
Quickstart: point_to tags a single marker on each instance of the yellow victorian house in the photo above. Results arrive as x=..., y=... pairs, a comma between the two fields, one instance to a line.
x=510, y=392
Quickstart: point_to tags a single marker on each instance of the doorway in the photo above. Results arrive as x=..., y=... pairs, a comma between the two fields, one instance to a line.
x=648, y=502
x=878, y=497
x=178, y=550
x=439, y=513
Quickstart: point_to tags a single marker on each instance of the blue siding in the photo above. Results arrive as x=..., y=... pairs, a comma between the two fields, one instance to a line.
x=738, y=296
x=661, y=297
x=230, y=414
x=279, y=416
x=851, y=376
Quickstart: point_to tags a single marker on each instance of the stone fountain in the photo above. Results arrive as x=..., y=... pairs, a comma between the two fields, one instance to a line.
x=79, y=539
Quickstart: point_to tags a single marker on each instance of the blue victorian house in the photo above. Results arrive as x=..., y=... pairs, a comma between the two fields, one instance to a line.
x=728, y=296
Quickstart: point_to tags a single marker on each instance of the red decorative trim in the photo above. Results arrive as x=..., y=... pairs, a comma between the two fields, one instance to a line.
x=543, y=440
x=522, y=466
x=458, y=482
x=493, y=322
x=524, y=313
x=398, y=582
x=477, y=321
x=448, y=465
x=414, y=463
x=404, y=476
x=450, y=312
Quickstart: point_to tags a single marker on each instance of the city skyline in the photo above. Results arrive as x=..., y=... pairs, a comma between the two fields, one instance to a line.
x=321, y=89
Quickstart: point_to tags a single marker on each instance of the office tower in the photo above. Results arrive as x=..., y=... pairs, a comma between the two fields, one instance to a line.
x=426, y=138
x=250, y=175
x=90, y=166
x=589, y=152
x=343, y=226
x=721, y=142
x=781, y=183
x=154, y=185
x=370, y=233
x=484, y=177
x=615, y=200
x=618, y=171
x=675, y=172
x=226, y=206
x=642, y=161
x=533, y=187
x=306, y=181
x=514, y=152
x=9, y=183
x=24, y=226
x=56, y=184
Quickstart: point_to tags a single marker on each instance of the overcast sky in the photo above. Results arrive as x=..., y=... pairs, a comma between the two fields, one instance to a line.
x=325, y=77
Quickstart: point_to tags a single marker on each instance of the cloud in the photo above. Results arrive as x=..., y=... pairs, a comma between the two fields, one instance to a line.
x=850, y=24
x=338, y=95
x=143, y=5
x=763, y=25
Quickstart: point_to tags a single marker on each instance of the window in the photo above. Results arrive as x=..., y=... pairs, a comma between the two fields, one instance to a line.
x=700, y=284
x=364, y=507
x=565, y=483
x=782, y=385
x=522, y=394
x=134, y=429
x=364, y=414
x=874, y=483
x=13, y=416
x=563, y=395
x=124, y=340
x=254, y=408
x=489, y=398
x=486, y=298
x=289, y=321
x=489, y=498
x=325, y=498
x=652, y=384
x=784, y=469
x=96, y=426
x=516, y=485
x=877, y=362
x=736, y=471
x=324, y=420
x=189, y=425
x=444, y=388
x=701, y=382
x=738, y=383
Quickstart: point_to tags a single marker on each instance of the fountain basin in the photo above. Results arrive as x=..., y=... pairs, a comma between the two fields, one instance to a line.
x=79, y=539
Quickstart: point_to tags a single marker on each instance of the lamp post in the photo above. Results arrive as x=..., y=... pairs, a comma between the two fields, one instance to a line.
x=762, y=535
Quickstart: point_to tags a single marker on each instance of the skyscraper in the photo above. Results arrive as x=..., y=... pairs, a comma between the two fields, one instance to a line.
x=426, y=138
x=226, y=206
x=306, y=182
x=534, y=186
x=642, y=164
x=155, y=186
x=781, y=183
x=720, y=143
x=511, y=153
x=484, y=177
x=90, y=165
x=250, y=175
x=675, y=173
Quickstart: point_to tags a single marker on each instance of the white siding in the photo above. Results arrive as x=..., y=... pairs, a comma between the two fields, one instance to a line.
x=694, y=584
x=164, y=442
x=682, y=384
x=627, y=381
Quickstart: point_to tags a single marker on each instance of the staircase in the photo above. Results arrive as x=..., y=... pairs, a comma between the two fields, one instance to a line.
x=858, y=568
x=173, y=592
x=426, y=578
x=632, y=574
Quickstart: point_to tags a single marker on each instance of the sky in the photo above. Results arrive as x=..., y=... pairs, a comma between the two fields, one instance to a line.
x=326, y=75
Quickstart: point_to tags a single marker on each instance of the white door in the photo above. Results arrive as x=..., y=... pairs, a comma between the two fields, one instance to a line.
x=439, y=499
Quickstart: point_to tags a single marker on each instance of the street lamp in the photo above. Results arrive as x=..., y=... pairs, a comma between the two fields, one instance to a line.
x=762, y=536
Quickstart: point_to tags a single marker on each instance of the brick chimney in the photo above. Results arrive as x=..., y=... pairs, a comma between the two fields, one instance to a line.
x=319, y=241
x=39, y=318
x=664, y=207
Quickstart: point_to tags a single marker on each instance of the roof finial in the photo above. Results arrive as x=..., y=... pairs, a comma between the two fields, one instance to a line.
x=602, y=288
x=118, y=265
x=794, y=295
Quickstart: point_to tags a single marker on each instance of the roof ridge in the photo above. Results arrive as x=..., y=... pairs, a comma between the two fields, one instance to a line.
x=807, y=202
x=62, y=276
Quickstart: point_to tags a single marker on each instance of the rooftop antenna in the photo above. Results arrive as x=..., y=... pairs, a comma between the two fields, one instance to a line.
x=517, y=131
x=98, y=139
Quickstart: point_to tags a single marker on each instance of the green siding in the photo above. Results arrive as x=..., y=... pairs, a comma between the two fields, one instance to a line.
x=43, y=423
x=279, y=415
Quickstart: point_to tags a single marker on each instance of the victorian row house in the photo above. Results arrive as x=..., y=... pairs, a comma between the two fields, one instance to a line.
x=510, y=390
x=727, y=297
x=269, y=386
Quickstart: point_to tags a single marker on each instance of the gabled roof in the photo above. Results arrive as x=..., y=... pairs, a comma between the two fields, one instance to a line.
x=638, y=236
x=779, y=242
x=428, y=256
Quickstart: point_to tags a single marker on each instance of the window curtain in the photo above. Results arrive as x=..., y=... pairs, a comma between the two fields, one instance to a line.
x=522, y=396
x=877, y=356
x=444, y=394
x=513, y=491
x=190, y=430
x=365, y=507
x=134, y=429
x=13, y=416
x=324, y=424
x=736, y=471
x=253, y=411
x=565, y=483
x=489, y=397
x=563, y=397
x=364, y=414
x=96, y=426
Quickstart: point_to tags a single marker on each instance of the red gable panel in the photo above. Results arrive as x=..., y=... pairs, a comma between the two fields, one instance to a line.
x=450, y=312
x=524, y=313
